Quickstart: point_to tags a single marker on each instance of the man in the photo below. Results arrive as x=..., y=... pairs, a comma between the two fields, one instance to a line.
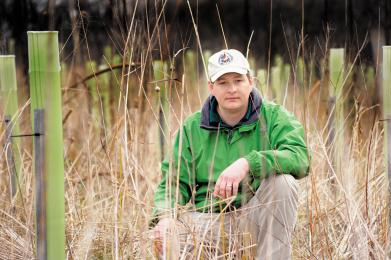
x=236, y=163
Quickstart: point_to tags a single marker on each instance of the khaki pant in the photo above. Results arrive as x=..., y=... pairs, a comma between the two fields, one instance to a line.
x=261, y=229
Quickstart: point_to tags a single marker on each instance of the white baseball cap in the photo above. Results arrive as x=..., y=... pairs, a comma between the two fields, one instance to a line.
x=226, y=61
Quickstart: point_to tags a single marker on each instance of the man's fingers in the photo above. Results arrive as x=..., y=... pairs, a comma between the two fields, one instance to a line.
x=222, y=190
x=158, y=246
x=158, y=241
x=217, y=187
x=222, y=193
x=216, y=191
x=228, y=190
x=235, y=188
x=225, y=188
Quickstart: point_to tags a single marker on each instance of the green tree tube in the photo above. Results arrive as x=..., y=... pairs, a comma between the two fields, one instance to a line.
x=45, y=91
x=300, y=72
x=105, y=93
x=190, y=69
x=276, y=83
x=204, y=84
x=9, y=97
x=262, y=80
x=387, y=109
x=159, y=71
x=336, y=103
x=370, y=78
x=92, y=86
x=116, y=80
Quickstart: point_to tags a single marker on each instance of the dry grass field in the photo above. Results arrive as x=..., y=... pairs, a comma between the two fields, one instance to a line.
x=112, y=168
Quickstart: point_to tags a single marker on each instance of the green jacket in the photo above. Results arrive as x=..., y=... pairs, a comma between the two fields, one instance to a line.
x=272, y=143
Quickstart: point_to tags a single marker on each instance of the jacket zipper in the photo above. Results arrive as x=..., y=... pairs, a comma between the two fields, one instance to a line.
x=230, y=134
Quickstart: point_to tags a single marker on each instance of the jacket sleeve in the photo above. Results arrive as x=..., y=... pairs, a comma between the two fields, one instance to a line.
x=179, y=166
x=288, y=152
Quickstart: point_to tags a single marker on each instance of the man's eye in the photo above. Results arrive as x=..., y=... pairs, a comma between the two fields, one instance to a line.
x=239, y=80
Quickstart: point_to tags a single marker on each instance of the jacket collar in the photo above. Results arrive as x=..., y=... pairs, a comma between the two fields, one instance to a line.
x=251, y=116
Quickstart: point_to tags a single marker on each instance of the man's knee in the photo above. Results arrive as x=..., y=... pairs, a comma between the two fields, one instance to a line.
x=283, y=185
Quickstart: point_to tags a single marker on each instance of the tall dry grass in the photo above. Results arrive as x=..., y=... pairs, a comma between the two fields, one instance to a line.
x=111, y=172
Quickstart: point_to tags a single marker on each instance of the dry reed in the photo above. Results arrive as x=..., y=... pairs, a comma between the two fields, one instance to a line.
x=110, y=175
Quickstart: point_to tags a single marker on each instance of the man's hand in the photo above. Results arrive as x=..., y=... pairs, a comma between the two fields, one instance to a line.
x=228, y=182
x=159, y=231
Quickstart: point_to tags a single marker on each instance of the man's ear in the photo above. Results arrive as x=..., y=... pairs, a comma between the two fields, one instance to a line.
x=250, y=80
x=210, y=86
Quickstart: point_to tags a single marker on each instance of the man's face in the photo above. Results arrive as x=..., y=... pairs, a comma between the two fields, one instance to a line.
x=231, y=91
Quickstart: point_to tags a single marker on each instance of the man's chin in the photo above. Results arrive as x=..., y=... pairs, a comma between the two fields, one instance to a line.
x=233, y=108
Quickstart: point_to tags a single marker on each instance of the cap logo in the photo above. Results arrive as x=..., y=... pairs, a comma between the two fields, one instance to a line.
x=225, y=58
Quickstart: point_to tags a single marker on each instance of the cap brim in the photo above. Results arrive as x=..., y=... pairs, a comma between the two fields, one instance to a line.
x=228, y=70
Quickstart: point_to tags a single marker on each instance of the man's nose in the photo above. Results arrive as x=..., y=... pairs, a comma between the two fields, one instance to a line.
x=232, y=86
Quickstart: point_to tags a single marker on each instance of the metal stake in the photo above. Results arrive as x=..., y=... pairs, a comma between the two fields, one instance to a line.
x=10, y=156
x=40, y=183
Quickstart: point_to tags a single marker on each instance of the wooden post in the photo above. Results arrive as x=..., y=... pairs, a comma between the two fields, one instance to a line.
x=387, y=115
x=45, y=90
x=336, y=106
x=9, y=96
